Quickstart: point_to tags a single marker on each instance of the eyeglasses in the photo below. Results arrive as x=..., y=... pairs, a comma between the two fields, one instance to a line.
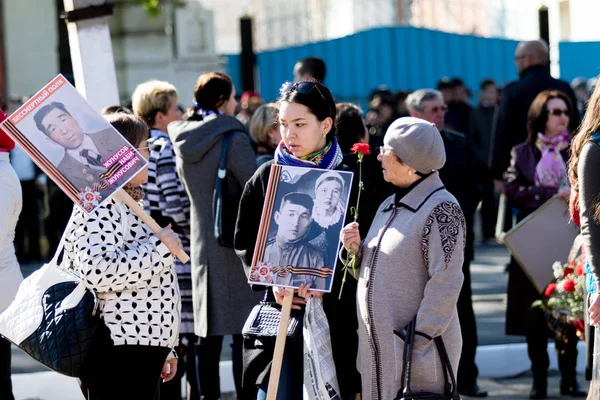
x=382, y=150
x=304, y=87
x=558, y=112
x=437, y=109
x=147, y=148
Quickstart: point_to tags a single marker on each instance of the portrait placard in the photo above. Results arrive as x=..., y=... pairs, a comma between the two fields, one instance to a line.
x=73, y=144
x=541, y=239
x=303, y=215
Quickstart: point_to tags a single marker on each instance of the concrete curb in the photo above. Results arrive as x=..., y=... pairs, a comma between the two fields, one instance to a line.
x=507, y=360
x=494, y=361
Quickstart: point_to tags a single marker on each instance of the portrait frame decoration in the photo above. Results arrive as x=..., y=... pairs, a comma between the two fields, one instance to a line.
x=303, y=215
x=73, y=144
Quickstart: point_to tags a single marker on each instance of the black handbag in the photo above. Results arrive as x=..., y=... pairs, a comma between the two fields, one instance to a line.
x=53, y=317
x=405, y=392
x=225, y=198
x=263, y=322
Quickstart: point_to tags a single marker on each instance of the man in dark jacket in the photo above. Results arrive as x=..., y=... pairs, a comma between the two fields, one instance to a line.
x=482, y=126
x=531, y=59
x=462, y=177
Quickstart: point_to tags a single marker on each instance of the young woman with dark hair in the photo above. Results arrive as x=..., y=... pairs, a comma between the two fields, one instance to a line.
x=221, y=297
x=307, y=117
x=537, y=172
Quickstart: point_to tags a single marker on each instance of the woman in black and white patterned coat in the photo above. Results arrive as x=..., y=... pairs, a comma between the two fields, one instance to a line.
x=411, y=266
x=132, y=271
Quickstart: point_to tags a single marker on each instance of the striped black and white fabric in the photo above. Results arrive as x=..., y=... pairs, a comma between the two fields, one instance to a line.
x=166, y=201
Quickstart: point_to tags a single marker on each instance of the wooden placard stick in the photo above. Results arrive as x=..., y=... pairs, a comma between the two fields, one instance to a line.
x=154, y=227
x=286, y=308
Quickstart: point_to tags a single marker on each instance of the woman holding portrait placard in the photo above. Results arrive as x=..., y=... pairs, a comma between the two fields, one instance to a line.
x=307, y=120
x=133, y=274
x=537, y=172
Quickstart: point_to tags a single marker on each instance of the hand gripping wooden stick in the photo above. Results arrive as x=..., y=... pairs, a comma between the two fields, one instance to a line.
x=148, y=220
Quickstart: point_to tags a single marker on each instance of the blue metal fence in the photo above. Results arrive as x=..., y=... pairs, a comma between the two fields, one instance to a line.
x=398, y=57
x=579, y=59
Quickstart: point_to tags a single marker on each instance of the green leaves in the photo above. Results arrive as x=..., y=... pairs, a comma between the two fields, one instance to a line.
x=153, y=7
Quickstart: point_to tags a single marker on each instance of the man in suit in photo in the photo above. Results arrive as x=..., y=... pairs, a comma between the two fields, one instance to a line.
x=85, y=153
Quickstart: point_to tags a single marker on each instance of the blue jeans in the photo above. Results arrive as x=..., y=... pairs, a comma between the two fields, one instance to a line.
x=290, y=383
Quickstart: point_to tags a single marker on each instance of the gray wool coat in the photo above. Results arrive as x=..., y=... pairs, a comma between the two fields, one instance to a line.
x=411, y=265
x=221, y=296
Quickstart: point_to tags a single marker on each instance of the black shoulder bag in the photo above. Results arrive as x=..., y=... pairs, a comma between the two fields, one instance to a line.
x=405, y=392
x=224, y=198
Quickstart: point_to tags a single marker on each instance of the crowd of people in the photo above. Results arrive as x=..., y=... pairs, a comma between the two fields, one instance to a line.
x=435, y=161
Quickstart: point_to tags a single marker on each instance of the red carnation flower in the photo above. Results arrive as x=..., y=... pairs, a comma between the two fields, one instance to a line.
x=580, y=270
x=362, y=148
x=550, y=289
x=569, y=286
x=568, y=271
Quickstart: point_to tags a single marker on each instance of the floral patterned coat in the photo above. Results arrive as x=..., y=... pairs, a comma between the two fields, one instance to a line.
x=411, y=265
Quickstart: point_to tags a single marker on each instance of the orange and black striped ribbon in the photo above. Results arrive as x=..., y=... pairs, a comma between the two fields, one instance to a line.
x=265, y=222
x=318, y=272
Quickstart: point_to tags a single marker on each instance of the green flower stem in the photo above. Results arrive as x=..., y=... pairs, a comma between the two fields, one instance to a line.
x=351, y=260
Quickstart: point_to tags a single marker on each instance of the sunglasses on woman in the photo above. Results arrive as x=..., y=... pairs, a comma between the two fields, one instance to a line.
x=303, y=87
x=558, y=112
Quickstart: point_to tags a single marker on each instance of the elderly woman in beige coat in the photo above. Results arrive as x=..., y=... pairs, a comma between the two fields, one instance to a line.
x=411, y=265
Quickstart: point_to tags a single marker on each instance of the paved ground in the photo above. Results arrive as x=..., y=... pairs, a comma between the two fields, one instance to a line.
x=489, y=295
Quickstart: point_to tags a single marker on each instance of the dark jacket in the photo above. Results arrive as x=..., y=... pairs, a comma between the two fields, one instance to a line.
x=462, y=176
x=376, y=189
x=519, y=179
x=341, y=313
x=519, y=183
x=483, y=124
x=512, y=121
x=458, y=116
x=589, y=195
x=222, y=299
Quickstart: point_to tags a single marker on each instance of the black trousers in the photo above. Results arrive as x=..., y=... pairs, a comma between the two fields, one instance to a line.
x=5, y=382
x=537, y=349
x=489, y=210
x=28, y=225
x=209, y=356
x=188, y=365
x=467, y=369
x=122, y=372
x=60, y=208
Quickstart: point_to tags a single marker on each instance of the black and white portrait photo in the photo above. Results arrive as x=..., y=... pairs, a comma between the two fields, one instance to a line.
x=299, y=241
x=73, y=144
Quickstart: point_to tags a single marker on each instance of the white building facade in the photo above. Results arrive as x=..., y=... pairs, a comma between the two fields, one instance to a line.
x=176, y=46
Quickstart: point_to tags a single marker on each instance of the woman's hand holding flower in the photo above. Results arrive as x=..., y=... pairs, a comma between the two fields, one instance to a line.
x=350, y=237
